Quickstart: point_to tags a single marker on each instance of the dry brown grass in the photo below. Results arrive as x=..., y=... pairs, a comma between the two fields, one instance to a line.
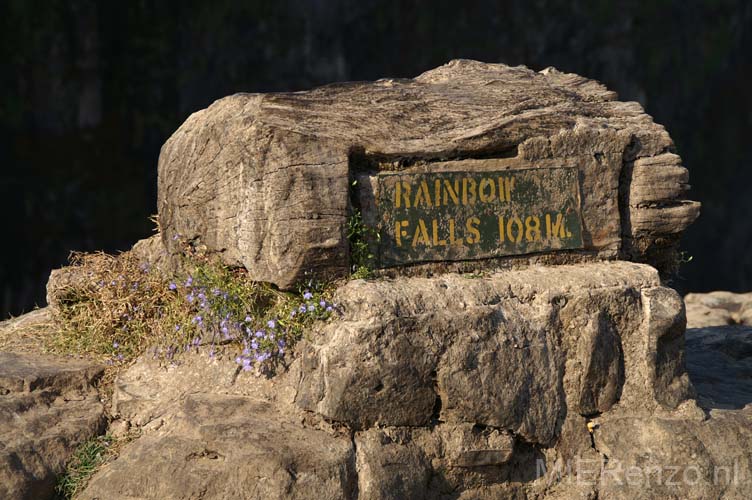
x=27, y=333
x=115, y=308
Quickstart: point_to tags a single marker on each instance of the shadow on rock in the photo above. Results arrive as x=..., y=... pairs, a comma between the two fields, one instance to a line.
x=719, y=362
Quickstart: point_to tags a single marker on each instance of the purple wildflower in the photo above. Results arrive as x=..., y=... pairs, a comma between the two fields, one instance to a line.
x=271, y=323
x=307, y=295
x=322, y=303
x=115, y=345
x=248, y=319
x=173, y=286
x=189, y=281
x=329, y=309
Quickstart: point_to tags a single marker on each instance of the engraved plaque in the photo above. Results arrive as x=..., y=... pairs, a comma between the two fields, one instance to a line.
x=444, y=216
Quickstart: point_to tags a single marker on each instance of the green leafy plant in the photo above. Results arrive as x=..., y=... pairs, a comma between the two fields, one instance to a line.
x=359, y=235
x=84, y=462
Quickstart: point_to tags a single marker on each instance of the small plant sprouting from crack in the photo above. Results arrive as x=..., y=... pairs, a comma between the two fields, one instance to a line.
x=361, y=258
x=87, y=458
x=360, y=236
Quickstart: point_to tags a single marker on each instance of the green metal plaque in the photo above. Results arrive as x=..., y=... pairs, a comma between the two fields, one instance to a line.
x=443, y=216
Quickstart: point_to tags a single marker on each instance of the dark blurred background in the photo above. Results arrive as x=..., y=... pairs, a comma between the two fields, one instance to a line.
x=90, y=90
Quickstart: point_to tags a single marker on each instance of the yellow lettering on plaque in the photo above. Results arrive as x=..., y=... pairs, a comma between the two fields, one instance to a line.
x=453, y=241
x=520, y=229
x=451, y=191
x=555, y=229
x=400, y=231
x=468, y=191
x=402, y=192
x=422, y=195
x=532, y=228
x=436, y=241
x=509, y=186
x=472, y=228
x=421, y=234
x=487, y=185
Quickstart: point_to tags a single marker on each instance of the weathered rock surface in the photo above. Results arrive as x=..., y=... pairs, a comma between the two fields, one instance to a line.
x=26, y=333
x=719, y=362
x=598, y=343
x=229, y=446
x=264, y=179
x=518, y=350
x=689, y=453
x=48, y=406
x=718, y=309
x=675, y=456
x=213, y=432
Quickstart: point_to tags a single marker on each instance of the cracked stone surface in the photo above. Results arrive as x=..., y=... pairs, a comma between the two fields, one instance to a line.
x=520, y=350
x=264, y=179
x=375, y=405
x=48, y=406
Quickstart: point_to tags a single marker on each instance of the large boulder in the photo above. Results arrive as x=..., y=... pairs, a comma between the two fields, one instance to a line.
x=48, y=406
x=264, y=179
x=517, y=350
